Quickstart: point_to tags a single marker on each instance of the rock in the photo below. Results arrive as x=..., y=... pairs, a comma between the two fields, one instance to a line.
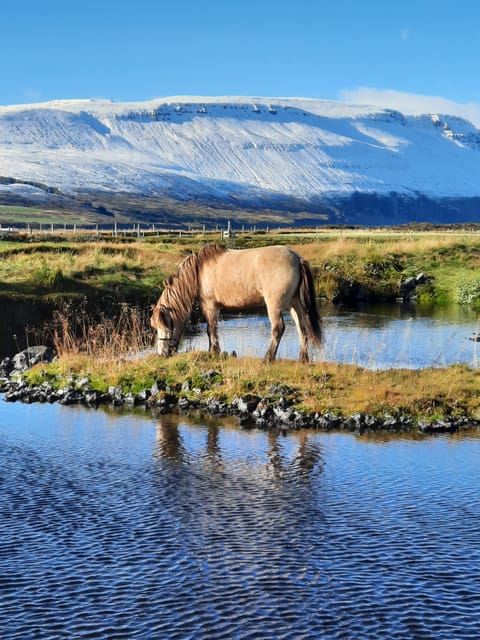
x=130, y=399
x=328, y=421
x=283, y=415
x=437, y=426
x=281, y=389
x=407, y=288
x=211, y=375
x=115, y=394
x=71, y=396
x=247, y=420
x=92, y=398
x=31, y=356
x=82, y=383
x=247, y=403
x=6, y=367
x=183, y=404
x=144, y=395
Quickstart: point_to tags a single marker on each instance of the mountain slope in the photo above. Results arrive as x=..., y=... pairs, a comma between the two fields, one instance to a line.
x=350, y=162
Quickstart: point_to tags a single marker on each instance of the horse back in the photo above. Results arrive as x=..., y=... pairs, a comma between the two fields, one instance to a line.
x=239, y=278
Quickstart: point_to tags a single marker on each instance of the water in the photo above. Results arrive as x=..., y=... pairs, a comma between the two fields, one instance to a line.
x=128, y=526
x=373, y=336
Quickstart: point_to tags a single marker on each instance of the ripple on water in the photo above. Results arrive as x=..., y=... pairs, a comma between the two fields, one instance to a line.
x=121, y=527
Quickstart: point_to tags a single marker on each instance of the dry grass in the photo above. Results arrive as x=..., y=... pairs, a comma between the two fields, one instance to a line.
x=364, y=247
x=40, y=268
x=75, y=332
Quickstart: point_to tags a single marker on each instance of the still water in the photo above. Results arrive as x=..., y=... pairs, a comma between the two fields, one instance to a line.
x=130, y=526
x=373, y=336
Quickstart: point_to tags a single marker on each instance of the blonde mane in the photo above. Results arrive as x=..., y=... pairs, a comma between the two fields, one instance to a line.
x=209, y=253
x=181, y=288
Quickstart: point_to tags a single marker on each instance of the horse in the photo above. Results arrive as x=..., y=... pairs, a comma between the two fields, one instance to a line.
x=237, y=279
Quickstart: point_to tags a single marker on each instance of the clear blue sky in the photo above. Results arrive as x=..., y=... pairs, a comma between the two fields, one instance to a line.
x=143, y=49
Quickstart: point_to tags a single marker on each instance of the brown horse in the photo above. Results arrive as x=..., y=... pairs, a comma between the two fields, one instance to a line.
x=218, y=277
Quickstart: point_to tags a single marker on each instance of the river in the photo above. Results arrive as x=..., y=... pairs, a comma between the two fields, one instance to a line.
x=377, y=336
x=126, y=525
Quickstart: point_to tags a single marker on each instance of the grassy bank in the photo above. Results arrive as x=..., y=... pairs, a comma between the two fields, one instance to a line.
x=66, y=269
x=428, y=395
x=348, y=265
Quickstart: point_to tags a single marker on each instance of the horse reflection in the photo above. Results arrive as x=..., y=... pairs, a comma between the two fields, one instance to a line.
x=305, y=462
x=169, y=441
x=171, y=446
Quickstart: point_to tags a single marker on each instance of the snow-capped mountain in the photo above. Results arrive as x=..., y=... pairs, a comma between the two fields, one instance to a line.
x=347, y=162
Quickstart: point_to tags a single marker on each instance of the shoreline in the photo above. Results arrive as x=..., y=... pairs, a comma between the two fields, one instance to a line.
x=38, y=377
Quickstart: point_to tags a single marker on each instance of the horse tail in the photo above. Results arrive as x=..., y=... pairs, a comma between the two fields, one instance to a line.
x=307, y=296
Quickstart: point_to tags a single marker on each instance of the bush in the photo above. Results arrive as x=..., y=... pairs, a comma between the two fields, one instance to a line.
x=469, y=292
x=48, y=277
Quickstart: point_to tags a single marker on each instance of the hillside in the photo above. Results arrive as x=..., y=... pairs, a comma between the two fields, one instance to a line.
x=263, y=159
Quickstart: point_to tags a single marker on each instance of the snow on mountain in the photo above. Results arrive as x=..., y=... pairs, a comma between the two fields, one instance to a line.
x=250, y=148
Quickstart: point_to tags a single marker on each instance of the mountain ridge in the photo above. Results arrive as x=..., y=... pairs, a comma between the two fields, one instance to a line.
x=304, y=159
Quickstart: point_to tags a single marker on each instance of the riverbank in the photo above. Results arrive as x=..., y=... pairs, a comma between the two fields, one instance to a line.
x=435, y=266
x=286, y=394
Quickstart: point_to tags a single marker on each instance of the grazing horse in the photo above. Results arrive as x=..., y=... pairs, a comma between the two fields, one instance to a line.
x=218, y=277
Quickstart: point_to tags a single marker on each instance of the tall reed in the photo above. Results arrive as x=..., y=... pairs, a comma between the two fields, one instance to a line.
x=76, y=330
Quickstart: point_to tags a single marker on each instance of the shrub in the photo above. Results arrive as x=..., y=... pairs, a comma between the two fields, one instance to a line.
x=48, y=277
x=469, y=292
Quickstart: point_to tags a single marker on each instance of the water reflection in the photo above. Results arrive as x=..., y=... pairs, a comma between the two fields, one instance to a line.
x=306, y=462
x=373, y=336
x=120, y=526
x=300, y=460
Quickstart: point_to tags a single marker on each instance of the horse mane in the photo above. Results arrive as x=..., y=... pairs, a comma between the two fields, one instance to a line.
x=210, y=253
x=181, y=288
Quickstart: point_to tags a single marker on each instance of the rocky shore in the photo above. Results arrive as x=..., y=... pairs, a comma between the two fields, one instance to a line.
x=273, y=410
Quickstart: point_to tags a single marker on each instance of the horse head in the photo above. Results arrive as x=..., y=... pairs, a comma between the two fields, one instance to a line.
x=168, y=331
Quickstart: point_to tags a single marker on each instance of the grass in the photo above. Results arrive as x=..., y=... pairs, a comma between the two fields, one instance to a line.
x=76, y=332
x=374, y=263
x=130, y=271
x=13, y=215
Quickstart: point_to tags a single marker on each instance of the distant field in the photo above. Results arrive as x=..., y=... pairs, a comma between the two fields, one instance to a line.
x=13, y=215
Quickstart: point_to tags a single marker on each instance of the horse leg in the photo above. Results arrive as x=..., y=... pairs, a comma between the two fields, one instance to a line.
x=211, y=316
x=278, y=327
x=297, y=313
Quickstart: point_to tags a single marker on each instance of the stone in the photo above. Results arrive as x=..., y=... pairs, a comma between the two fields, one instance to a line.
x=247, y=403
x=31, y=356
x=130, y=399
